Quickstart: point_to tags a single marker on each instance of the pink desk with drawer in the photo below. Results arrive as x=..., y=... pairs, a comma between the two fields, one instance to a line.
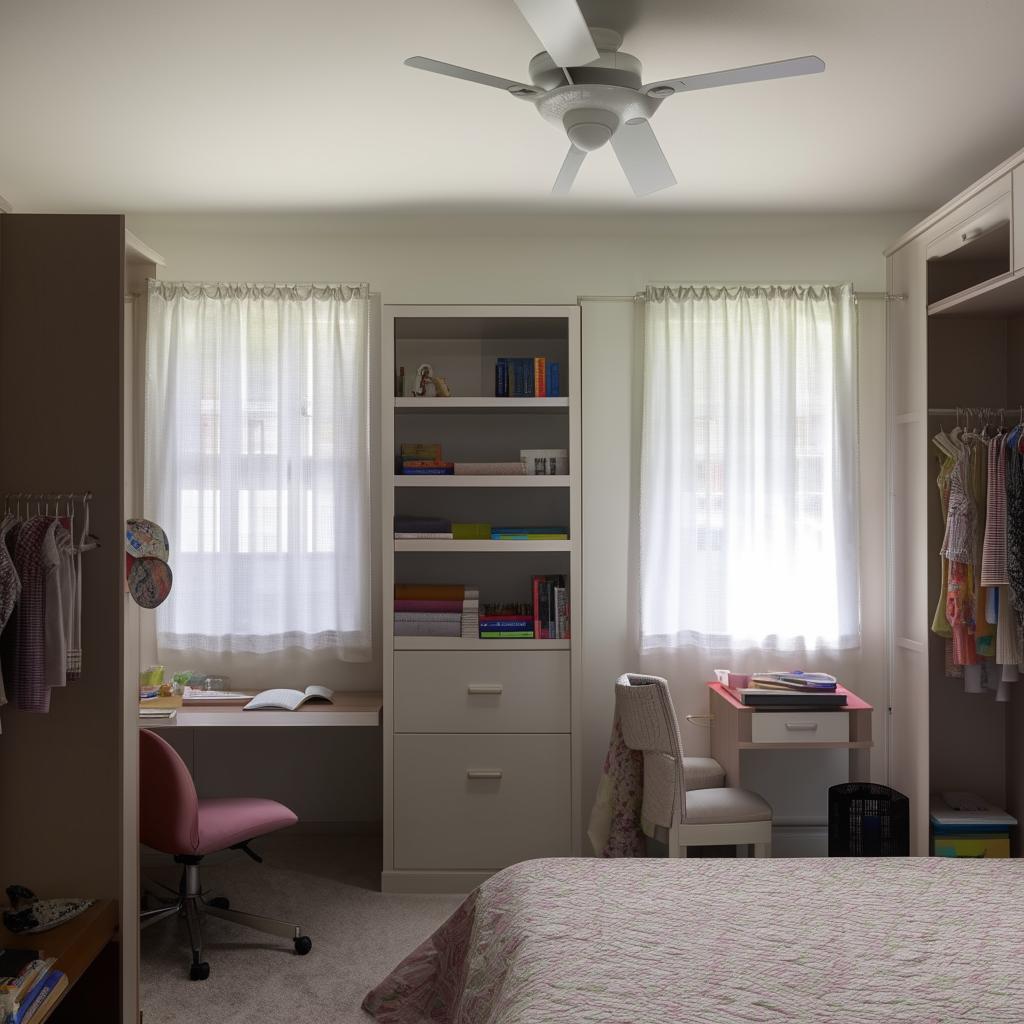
x=736, y=727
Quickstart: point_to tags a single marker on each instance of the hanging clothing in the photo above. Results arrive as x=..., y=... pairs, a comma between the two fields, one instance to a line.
x=993, y=559
x=940, y=621
x=10, y=587
x=1015, y=530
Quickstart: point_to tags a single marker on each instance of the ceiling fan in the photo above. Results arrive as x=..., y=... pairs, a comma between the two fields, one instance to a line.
x=586, y=85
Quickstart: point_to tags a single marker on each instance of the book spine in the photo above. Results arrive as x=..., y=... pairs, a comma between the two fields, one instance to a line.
x=545, y=632
x=556, y=383
x=536, y=605
x=501, y=378
x=528, y=375
x=503, y=624
x=431, y=592
x=428, y=470
x=540, y=383
x=528, y=635
x=424, y=536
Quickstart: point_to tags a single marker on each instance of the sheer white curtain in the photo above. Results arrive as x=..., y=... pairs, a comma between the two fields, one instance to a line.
x=748, y=493
x=257, y=464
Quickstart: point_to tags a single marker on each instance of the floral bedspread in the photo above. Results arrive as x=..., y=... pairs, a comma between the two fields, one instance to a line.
x=810, y=941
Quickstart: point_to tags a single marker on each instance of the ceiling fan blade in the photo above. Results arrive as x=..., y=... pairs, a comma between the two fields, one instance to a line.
x=561, y=29
x=570, y=168
x=467, y=75
x=737, y=76
x=641, y=158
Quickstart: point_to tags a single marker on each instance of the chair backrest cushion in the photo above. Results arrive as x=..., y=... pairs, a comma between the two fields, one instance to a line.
x=168, y=804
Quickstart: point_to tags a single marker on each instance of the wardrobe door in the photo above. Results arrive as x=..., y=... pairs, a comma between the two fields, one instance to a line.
x=908, y=471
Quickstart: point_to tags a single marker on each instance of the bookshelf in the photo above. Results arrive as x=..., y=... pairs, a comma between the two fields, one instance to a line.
x=508, y=708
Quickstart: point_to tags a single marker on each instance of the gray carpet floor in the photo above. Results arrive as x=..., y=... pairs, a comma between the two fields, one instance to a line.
x=329, y=885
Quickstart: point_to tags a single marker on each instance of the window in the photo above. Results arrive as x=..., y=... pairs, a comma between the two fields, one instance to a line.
x=258, y=465
x=749, y=469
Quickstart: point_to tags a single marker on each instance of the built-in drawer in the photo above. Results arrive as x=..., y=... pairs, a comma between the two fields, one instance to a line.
x=800, y=727
x=482, y=691
x=479, y=803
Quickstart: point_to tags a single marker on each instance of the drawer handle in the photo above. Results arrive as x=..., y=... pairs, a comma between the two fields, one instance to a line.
x=802, y=726
x=483, y=773
x=483, y=688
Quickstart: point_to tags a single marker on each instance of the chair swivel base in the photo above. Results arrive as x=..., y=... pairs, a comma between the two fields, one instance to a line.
x=189, y=902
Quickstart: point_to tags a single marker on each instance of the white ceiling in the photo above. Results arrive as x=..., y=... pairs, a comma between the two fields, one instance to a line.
x=200, y=105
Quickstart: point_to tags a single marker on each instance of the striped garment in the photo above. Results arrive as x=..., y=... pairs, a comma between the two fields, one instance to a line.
x=993, y=559
x=959, y=542
x=28, y=681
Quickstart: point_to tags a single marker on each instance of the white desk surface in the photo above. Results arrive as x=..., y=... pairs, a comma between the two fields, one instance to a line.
x=349, y=709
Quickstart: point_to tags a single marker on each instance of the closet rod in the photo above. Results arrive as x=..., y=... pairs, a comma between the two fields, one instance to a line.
x=69, y=496
x=641, y=297
x=979, y=410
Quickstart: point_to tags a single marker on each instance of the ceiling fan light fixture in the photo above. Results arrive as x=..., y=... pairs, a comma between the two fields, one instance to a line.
x=589, y=128
x=659, y=92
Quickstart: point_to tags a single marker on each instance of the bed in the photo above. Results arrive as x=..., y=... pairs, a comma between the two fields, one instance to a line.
x=830, y=941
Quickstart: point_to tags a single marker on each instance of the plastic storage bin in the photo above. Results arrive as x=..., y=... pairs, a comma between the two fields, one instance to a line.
x=866, y=820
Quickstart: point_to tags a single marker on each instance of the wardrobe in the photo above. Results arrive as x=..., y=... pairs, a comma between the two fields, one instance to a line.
x=955, y=337
x=67, y=371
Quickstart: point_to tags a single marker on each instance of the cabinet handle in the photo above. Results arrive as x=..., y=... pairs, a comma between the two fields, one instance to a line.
x=482, y=688
x=802, y=726
x=483, y=773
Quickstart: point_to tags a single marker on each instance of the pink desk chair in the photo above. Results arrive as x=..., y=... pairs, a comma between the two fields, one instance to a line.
x=172, y=819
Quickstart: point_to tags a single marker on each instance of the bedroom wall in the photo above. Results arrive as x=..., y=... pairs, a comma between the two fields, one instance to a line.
x=535, y=259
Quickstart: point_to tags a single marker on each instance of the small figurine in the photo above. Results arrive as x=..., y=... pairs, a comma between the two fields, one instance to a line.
x=424, y=376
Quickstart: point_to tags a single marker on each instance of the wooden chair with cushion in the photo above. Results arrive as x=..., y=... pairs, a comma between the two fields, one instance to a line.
x=683, y=811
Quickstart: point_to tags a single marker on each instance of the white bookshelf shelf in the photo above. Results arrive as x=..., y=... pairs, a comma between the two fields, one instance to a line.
x=481, y=404
x=504, y=546
x=444, y=643
x=483, y=481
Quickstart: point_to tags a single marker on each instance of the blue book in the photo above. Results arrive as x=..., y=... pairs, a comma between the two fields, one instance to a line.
x=37, y=996
x=528, y=391
x=501, y=378
x=554, y=384
x=425, y=471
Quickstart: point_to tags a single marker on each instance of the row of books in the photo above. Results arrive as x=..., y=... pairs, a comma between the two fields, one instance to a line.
x=446, y=610
x=29, y=985
x=550, y=608
x=527, y=378
x=787, y=689
x=435, y=528
x=419, y=459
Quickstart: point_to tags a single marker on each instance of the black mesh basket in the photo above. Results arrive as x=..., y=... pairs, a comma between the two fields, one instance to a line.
x=865, y=820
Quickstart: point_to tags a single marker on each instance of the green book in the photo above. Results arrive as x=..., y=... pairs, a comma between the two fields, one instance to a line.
x=524, y=635
x=471, y=531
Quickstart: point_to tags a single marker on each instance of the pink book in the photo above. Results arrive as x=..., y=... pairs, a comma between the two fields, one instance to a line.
x=428, y=606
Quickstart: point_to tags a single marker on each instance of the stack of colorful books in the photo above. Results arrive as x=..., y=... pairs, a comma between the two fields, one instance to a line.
x=29, y=985
x=506, y=622
x=427, y=609
x=550, y=608
x=422, y=528
x=529, y=533
x=417, y=459
x=527, y=378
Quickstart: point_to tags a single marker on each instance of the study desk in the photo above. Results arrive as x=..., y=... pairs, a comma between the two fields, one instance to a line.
x=84, y=952
x=356, y=708
x=736, y=727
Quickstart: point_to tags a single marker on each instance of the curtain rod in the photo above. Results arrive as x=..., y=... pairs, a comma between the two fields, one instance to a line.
x=641, y=296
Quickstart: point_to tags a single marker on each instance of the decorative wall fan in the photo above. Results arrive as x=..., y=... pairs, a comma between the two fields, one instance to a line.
x=586, y=85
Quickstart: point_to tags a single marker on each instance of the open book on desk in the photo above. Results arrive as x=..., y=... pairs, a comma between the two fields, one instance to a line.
x=289, y=700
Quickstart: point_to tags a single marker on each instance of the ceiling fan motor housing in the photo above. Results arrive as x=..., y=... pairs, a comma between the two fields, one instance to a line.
x=603, y=95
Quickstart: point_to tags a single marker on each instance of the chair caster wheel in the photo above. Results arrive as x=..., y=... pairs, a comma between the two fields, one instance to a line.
x=220, y=902
x=303, y=944
x=199, y=972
